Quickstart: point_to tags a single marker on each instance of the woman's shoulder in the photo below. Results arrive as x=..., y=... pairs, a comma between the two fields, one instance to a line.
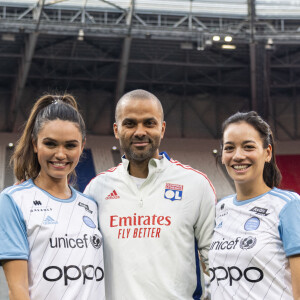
x=18, y=187
x=286, y=195
x=224, y=200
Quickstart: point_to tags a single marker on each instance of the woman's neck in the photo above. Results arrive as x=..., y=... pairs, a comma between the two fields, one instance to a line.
x=58, y=188
x=248, y=191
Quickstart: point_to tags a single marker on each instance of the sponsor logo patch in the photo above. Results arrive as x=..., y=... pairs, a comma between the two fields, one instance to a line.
x=112, y=195
x=260, y=211
x=49, y=221
x=252, y=224
x=96, y=241
x=248, y=242
x=85, y=206
x=173, y=191
x=88, y=221
x=219, y=225
x=37, y=202
x=38, y=206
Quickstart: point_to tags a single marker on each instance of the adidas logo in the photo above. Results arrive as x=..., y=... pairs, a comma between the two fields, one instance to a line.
x=49, y=220
x=112, y=195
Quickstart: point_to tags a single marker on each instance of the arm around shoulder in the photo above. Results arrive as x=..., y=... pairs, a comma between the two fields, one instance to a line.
x=16, y=273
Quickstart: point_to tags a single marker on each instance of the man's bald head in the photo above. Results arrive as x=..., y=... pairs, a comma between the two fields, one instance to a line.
x=137, y=95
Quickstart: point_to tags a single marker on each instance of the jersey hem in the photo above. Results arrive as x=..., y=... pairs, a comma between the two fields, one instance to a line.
x=292, y=251
x=14, y=258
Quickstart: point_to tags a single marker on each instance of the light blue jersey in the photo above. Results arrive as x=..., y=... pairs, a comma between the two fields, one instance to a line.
x=252, y=241
x=59, y=238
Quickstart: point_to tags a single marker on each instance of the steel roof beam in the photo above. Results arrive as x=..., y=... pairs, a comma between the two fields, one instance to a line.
x=24, y=67
x=138, y=61
x=252, y=45
x=123, y=68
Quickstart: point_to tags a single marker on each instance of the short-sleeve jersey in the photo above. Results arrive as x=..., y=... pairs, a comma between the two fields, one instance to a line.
x=59, y=238
x=152, y=234
x=251, y=244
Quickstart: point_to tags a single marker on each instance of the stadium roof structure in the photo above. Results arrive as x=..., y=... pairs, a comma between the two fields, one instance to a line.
x=247, y=50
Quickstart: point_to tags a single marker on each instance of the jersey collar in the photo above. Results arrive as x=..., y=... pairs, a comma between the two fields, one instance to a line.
x=155, y=165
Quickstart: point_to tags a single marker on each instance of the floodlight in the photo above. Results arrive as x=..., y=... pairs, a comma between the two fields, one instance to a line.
x=228, y=38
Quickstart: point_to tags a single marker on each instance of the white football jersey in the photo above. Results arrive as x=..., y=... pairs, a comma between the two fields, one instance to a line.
x=251, y=242
x=152, y=234
x=59, y=238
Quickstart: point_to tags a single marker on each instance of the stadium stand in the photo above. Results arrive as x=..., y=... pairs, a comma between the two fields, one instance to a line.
x=288, y=159
x=2, y=165
x=289, y=166
x=85, y=170
x=101, y=150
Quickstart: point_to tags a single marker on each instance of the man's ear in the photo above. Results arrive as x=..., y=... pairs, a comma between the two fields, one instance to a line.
x=163, y=129
x=115, y=127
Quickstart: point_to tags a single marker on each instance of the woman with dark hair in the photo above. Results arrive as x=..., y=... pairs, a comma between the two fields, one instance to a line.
x=50, y=243
x=255, y=251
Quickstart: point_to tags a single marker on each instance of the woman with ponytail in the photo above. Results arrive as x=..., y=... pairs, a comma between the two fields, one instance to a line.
x=51, y=247
x=255, y=251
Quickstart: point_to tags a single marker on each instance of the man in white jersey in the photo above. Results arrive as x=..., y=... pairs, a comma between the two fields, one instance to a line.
x=258, y=235
x=155, y=213
x=59, y=239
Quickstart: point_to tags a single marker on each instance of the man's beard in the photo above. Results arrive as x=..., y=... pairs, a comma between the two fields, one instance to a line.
x=142, y=155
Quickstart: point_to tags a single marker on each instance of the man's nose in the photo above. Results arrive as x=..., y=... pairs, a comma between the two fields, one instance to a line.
x=140, y=130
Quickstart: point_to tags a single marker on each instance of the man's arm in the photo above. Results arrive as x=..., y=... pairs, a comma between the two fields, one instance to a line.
x=205, y=223
x=16, y=273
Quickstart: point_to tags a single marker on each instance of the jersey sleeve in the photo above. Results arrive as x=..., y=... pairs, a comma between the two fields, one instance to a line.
x=205, y=221
x=289, y=228
x=13, y=233
x=88, y=189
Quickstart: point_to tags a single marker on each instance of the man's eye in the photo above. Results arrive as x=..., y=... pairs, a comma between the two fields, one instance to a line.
x=128, y=124
x=150, y=123
x=249, y=147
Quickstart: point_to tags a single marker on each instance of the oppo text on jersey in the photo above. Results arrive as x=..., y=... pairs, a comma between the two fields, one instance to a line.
x=233, y=273
x=88, y=272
